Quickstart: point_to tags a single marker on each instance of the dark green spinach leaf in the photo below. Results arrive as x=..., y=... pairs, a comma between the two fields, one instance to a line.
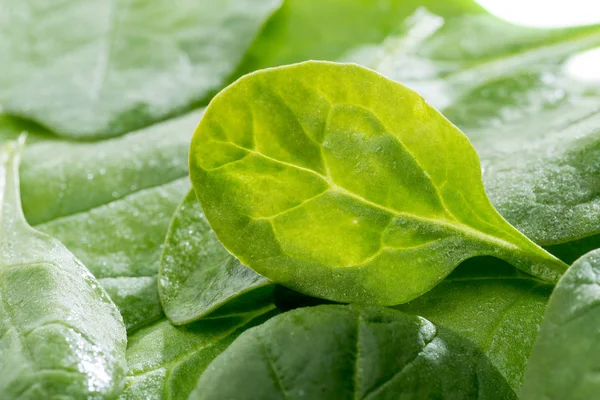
x=342, y=352
x=110, y=202
x=332, y=29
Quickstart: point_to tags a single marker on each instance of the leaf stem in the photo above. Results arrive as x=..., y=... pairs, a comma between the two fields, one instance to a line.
x=11, y=213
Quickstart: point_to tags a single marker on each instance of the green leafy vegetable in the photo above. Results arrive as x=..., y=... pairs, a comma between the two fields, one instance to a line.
x=197, y=275
x=569, y=252
x=165, y=361
x=492, y=304
x=370, y=354
x=60, y=334
x=564, y=362
x=101, y=88
x=97, y=68
x=339, y=183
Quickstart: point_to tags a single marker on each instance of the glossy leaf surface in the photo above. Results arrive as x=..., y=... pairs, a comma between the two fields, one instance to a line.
x=92, y=174
x=371, y=354
x=564, y=362
x=339, y=183
x=121, y=241
x=510, y=89
x=197, y=275
x=60, y=334
x=96, y=69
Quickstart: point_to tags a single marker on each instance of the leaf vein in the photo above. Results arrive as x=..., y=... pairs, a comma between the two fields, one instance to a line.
x=271, y=363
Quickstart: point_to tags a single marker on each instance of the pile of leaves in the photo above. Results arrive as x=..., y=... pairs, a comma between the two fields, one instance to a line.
x=415, y=216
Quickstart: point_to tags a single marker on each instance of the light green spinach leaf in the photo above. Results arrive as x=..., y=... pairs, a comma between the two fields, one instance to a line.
x=339, y=183
x=165, y=361
x=197, y=276
x=60, y=334
x=342, y=352
x=96, y=68
x=564, y=362
x=491, y=303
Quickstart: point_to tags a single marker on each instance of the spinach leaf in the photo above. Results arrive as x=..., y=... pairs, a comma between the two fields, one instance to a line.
x=494, y=305
x=564, y=362
x=509, y=88
x=197, y=276
x=60, y=334
x=339, y=183
x=110, y=202
x=96, y=69
x=342, y=352
x=136, y=297
x=165, y=361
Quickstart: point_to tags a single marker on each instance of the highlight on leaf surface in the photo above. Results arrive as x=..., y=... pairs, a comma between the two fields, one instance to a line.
x=340, y=183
